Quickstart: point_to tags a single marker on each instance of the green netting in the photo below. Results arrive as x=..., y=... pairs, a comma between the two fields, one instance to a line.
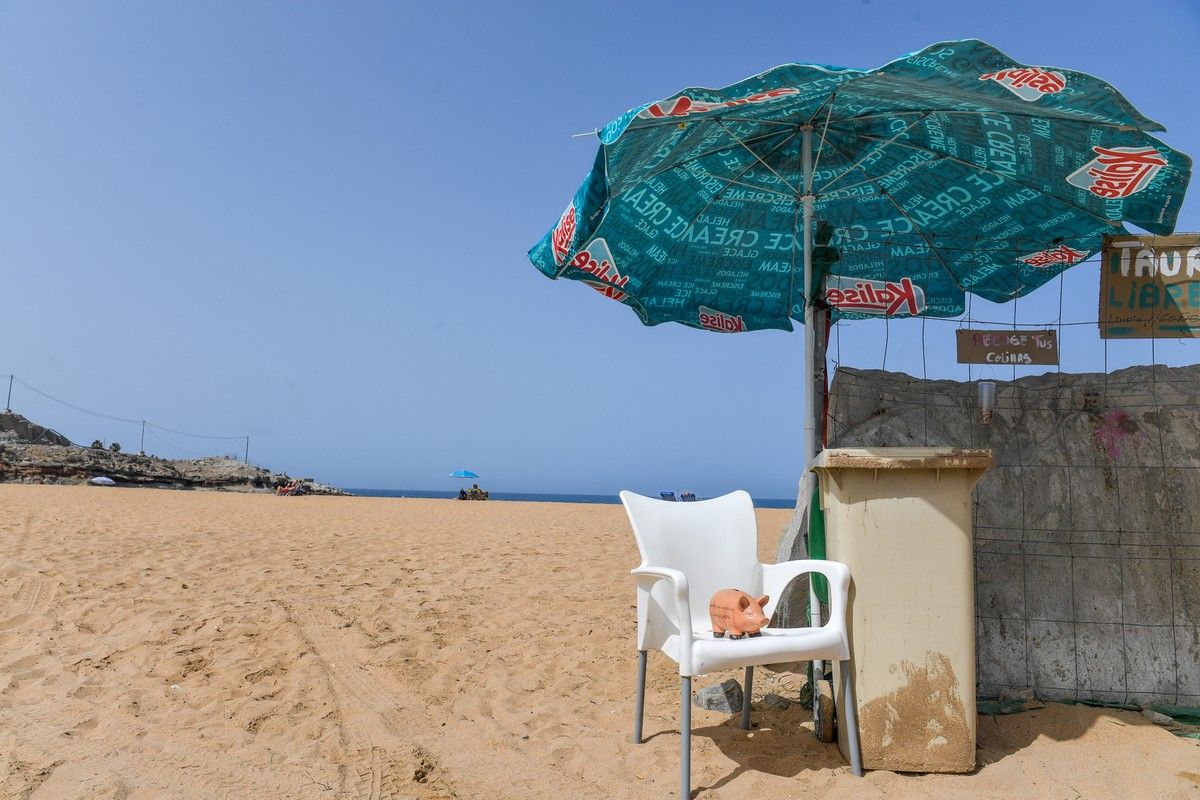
x=1182, y=715
x=1188, y=716
x=816, y=542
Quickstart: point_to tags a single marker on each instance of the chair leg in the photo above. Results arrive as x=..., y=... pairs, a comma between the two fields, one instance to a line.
x=640, y=702
x=685, y=735
x=749, y=689
x=851, y=721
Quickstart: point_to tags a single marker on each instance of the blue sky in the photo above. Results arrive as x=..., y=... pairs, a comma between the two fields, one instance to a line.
x=308, y=222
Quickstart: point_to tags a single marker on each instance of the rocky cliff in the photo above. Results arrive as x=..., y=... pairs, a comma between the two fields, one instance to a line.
x=30, y=453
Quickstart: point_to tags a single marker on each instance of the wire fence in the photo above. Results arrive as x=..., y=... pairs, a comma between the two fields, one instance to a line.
x=1087, y=529
x=159, y=435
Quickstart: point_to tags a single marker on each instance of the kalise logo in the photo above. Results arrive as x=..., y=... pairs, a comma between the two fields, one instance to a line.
x=714, y=320
x=888, y=298
x=597, y=261
x=1060, y=255
x=563, y=235
x=683, y=106
x=1028, y=83
x=1118, y=172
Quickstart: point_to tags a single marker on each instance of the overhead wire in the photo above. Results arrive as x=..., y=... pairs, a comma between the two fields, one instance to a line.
x=114, y=418
x=75, y=407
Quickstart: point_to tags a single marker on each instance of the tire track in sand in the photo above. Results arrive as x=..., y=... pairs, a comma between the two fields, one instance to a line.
x=386, y=764
x=33, y=597
x=35, y=593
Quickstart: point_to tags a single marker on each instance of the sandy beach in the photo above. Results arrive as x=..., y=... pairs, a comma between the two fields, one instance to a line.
x=166, y=644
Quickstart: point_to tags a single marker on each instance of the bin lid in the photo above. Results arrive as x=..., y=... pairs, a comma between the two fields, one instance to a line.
x=902, y=458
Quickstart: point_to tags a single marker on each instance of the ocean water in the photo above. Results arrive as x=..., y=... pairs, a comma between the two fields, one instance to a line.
x=532, y=497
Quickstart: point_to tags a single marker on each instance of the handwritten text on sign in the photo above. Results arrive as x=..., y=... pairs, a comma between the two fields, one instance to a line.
x=1007, y=347
x=1150, y=287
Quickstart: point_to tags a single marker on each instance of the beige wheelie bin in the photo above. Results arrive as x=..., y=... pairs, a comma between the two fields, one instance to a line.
x=900, y=518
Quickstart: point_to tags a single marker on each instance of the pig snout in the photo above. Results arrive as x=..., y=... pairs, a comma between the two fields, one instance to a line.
x=754, y=620
x=752, y=614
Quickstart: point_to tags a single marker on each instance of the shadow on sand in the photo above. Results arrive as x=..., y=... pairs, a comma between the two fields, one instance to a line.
x=998, y=737
x=782, y=742
x=778, y=743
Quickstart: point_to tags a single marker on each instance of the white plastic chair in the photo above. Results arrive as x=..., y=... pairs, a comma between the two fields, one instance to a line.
x=690, y=551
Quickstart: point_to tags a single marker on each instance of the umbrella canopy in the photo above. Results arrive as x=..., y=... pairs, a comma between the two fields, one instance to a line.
x=463, y=473
x=952, y=170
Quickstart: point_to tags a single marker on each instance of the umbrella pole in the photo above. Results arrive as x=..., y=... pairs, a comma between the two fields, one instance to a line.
x=810, y=399
x=810, y=402
x=810, y=419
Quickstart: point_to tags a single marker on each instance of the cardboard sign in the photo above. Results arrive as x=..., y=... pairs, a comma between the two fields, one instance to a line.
x=1150, y=287
x=1007, y=347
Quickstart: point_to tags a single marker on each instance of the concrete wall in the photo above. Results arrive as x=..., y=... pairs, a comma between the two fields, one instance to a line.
x=1087, y=530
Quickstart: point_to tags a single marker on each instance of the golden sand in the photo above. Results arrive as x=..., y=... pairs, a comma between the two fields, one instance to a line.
x=159, y=644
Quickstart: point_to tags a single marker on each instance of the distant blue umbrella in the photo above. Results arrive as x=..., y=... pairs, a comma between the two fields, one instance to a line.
x=462, y=474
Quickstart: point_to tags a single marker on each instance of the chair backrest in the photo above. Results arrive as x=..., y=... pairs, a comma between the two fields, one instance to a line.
x=667, y=495
x=713, y=542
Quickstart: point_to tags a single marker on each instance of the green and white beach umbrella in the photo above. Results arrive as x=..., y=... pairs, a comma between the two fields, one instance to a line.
x=952, y=170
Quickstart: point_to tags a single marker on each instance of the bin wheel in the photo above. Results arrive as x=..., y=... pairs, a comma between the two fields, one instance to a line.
x=823, y=711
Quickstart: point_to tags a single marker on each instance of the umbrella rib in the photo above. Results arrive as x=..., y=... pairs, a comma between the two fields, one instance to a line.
x=992, y=106
x=759, y=158
x=916, y=228
x=728, y=183
x=903, y=171
x=824, y=134
x=904, y=112
x=870, y=153
x=698, y=156
x=785, y=123
x=710, y=118
x=735, y=182
x=1005, y=112
x=654, y=276
x=941, y=155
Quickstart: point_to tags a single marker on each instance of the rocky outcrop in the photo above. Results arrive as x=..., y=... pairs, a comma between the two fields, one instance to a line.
x=30, y=453
x=16, y=427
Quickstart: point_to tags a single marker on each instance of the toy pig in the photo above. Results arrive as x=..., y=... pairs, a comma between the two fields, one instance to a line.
x=738, y=613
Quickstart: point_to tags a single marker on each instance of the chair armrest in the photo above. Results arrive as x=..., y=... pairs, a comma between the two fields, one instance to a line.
x=647, y=576
x=777, y=576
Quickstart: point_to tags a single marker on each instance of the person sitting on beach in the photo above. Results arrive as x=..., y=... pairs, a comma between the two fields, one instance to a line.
x=462, y=494
x=476, y=493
